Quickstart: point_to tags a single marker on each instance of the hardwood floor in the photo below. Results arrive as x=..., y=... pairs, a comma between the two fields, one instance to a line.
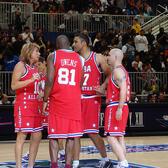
x=150, y=158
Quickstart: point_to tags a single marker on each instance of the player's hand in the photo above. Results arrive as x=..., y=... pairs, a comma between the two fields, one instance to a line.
x=39, y=110
x=99, y=90
x=44, y=108
x=119, y=114
x=35, y=76
x=41, y=94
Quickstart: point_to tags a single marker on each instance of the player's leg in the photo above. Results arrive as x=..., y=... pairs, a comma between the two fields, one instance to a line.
x=34, y=145
x=118, y=150
x=61, y=152
x=19, y=148
x=53, y=150
x=76, y=153
x=122, y=143
x=69, y=151
x=116, y=147
x=99, y=143
x=60, y=143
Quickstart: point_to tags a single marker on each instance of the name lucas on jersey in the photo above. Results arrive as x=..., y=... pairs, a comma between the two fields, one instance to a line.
x=68, y=62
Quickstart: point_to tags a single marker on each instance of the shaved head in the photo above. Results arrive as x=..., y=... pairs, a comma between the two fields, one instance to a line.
x=115, y=57
x=62, y=42
x=117, y=53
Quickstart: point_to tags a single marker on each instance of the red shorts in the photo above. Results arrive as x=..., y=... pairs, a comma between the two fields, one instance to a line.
x=112, y=126
x=45, y=117
x=90, y=113
x=28, y=123
x=59, y=127
x=45, y=121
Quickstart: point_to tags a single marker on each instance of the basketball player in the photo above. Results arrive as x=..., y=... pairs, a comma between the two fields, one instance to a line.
x=64, y=73
x=27, y=118
x=42, y=71
x=91, y=102
x=116, y=114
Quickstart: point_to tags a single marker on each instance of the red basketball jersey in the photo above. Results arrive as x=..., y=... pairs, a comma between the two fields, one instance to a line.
x=113, y=92
x=27, y=97
x=92, y=75
x=65, y=97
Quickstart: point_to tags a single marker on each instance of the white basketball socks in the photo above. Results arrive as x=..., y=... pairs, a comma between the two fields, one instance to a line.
x=75, y=163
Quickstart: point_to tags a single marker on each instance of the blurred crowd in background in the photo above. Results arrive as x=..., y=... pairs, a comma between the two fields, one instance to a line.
x=116, y=7
x=143, y=52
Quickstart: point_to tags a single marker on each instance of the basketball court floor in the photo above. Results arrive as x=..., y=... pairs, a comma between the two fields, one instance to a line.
x=147, y=151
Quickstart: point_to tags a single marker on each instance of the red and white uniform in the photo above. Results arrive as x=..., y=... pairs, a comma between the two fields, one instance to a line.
x=41, y=89
x=112, y=126
x=65, y=99
x=91, y=103
x=26, y=109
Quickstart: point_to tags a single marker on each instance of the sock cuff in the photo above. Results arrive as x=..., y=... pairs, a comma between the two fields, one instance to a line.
x=105, y=159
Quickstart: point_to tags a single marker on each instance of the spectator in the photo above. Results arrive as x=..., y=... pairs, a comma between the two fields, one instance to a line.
x=3, y=97
x=129, y=52
x=156, y=59
x=10, y=60
x=137, y=64
x=136, y=26
x=100, y=46
x=162, y=39
x=152, y=98
x=151, y=38
x=97, y=38
x=18, y=22
x=141, y=45
x=49, y=47
x=132, y=10
x=121, y=4
x=126, y=35
x=162, y=96
x=17, y=45
x=147, y=9
x=40, y=40
x=87, y=34
x=149, y=76
x=27, y=36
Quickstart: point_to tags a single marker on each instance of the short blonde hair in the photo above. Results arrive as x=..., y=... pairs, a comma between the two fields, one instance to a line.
x=27, y=51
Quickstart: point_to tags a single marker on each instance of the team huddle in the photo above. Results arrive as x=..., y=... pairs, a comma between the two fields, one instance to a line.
x=65, y=96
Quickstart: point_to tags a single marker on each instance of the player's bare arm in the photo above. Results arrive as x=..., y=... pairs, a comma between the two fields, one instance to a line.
x=50, y=80
x=82, y=76
x=100, y=59
x=120, y=79
x=50, y=76
x=19, y=70
x=107, y=71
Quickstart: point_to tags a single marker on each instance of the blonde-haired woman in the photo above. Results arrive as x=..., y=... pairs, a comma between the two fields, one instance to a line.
x=27, y=118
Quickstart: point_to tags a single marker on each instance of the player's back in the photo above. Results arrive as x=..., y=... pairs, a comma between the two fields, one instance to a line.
x=66, y=91
x=113, y=91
